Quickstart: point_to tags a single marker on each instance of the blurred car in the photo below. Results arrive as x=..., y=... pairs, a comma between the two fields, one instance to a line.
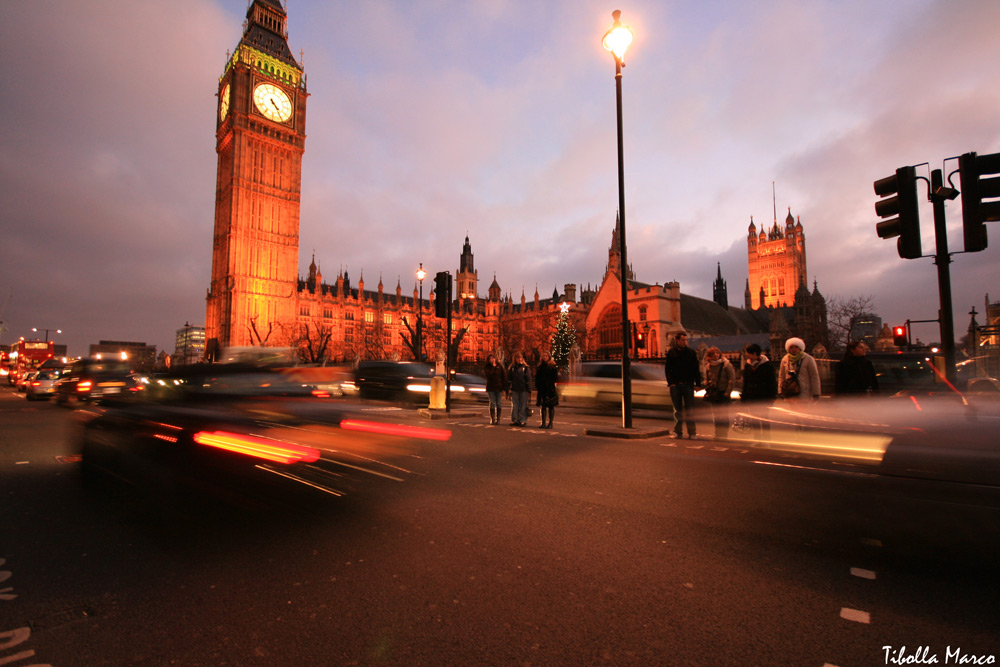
x=985, y=386
x=96, y=380
x=336, y=381
x=22, y=382
x=469, y=387
x=250, y=438
x=600, y=383
x=905, y=373
x=394, y=380
x=42, y=385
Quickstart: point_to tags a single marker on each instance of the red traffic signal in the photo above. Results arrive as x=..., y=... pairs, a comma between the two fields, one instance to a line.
x=899, y=337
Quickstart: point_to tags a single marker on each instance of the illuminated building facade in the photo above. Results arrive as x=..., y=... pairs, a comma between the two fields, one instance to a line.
x=777, y=263
x=260, y=139
x=189, y=345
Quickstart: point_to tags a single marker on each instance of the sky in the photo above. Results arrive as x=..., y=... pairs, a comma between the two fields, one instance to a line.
x=431, y=120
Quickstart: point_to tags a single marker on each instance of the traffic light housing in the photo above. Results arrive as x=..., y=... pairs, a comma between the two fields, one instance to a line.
x=975, y=188
x=442, y=293
x=899, y=337
x=898, y=208
x=640, y=340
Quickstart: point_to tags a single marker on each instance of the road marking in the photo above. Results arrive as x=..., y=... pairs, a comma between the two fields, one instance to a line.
x=855, y=615
x=21, y=463
x=864, y=574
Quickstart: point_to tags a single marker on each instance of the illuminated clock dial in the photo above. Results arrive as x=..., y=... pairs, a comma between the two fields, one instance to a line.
x=224, y=103
x=273, y=102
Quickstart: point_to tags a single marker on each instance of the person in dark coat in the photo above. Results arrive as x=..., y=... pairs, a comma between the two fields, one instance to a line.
x=496, y=384
x=760, y=380
x=683, y=373
x=855, y=373
x=519, y=388
x=545, y=388
x=760, y=387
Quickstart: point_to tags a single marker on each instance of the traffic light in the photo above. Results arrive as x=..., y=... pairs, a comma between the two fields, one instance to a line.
x=899, y=337
x=899, y=194
x=975, y=188
x=442, y=293
x=640, y=340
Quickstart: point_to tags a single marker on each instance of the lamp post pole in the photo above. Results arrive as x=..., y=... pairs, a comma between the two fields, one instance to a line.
x=47, y=332
x=617, y=40
x=421, y=274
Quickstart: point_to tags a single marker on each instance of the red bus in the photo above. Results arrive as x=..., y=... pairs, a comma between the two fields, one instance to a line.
x=28, y=355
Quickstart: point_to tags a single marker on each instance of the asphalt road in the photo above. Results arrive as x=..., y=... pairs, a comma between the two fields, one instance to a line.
x=503, y=546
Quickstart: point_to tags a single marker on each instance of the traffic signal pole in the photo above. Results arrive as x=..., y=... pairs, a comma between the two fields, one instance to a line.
x=942, y=259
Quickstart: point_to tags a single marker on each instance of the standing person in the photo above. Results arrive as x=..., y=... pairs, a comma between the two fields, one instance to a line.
x=855, y=373
x=719, y=380
x=519, y=387
x=547, y=399
x=760, y=385
x=683, y=375
x=496, y=383
x=798, y=375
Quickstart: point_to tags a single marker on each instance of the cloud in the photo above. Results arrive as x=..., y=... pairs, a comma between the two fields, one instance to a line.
x=429, y=121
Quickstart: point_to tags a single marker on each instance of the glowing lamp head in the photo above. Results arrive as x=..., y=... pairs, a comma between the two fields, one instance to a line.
x=618, y=39
x=421, y=274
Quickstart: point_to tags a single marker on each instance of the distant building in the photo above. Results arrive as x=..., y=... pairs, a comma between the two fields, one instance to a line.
x=139, y=355
x=867, y=329
x=189, y=345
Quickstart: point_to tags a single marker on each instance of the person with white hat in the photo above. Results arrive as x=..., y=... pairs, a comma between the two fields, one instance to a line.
x=798, y=374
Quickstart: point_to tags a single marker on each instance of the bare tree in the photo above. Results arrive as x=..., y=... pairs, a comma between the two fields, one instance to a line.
x=259, y=337
x=314, y=343
x=844, y=314
x=410, y=339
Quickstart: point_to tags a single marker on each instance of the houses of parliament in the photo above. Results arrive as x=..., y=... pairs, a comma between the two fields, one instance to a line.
x=257, y=296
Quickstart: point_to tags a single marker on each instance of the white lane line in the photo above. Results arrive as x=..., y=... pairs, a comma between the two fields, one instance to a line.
x=864, y=574
x=21, y=463
x=855, y=615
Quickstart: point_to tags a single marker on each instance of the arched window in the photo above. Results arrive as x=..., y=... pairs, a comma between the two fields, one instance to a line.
x=609, y=332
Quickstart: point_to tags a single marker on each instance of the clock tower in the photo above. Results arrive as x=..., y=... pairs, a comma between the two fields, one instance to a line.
x=260, y=139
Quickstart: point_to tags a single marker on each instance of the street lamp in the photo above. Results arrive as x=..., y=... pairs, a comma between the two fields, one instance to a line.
x=59, y=331
x=617, y=40
x=421, y=274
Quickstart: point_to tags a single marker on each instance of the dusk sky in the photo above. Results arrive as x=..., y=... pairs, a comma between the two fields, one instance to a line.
x=428, y=121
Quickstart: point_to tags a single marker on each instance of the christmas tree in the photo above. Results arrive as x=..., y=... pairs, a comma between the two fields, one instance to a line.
x=563, y=339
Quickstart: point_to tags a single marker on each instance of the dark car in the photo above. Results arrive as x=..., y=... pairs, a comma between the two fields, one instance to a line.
x=247, y=437
x=96, y=381
x=408, y=381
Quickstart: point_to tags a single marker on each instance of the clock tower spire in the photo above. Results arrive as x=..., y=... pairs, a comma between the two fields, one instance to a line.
x=260, y=139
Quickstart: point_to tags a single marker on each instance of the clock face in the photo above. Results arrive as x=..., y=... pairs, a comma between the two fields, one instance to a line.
x=224, y=103
x=273, y=102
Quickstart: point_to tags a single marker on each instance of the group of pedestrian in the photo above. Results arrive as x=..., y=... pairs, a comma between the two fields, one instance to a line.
x=516, y=383
x=796, y=378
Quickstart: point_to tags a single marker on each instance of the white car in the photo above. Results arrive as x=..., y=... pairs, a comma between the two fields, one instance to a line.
x=600, y=383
